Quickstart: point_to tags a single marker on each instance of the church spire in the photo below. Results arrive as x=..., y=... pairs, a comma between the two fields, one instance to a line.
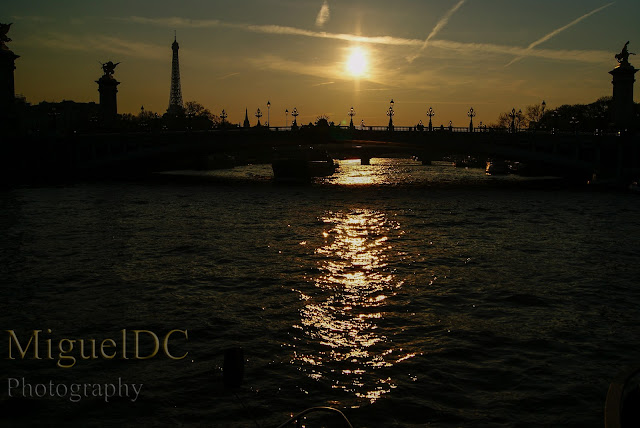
x=246, y=123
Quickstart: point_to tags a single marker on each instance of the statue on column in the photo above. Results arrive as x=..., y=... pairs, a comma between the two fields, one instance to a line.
x=109, y=68
x=623, y=56
x=4, y=29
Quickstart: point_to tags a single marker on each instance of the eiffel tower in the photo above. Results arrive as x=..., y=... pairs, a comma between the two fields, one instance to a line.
x=175, y=96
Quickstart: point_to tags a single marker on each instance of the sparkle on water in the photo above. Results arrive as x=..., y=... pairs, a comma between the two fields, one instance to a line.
x=352, y=285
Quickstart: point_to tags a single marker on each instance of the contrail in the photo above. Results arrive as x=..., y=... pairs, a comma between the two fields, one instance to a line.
x=559, y=30
x=439, y=26
x=323, y=15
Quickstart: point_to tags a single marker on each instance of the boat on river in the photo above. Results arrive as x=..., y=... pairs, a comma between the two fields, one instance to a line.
x=497, y=167
x=302, y=164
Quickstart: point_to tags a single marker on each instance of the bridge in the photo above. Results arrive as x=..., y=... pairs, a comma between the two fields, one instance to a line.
x=140, y=153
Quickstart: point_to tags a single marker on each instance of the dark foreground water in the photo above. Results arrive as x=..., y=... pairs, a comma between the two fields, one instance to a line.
x=439, y=298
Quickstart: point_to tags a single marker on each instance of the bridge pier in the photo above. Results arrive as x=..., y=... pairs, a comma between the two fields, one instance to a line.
x=365, y=160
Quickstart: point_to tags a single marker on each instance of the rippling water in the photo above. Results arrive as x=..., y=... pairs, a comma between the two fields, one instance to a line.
x=404, y=295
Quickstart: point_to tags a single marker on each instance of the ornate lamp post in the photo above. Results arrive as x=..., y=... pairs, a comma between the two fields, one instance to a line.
x=268, y=113
x=362, y=124
x=430, y=113
x=351, y=113
x=471, y=115
x=258, y=115
x=450, y=126
x=513, y=115
x=294, y=113
x=223, y=116
x=286, y=117
x=390, y=113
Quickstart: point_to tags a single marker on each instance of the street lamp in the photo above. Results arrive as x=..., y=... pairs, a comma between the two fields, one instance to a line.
x=294, y=113
x=513, y=115
x=286, y=117
x=390, y=113
x=430, y=113
x=471, y=115
x=223, y=116
x=258, y=115
x=351, y=113
x=268, y=111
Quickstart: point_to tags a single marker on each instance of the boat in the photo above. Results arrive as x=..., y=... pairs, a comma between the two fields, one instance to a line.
x=301, y=165
x=497, y=168
x=467, y=162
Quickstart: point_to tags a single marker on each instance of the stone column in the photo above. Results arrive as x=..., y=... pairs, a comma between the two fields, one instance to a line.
x=623, y=80
x=7, y=88
x=108, y=88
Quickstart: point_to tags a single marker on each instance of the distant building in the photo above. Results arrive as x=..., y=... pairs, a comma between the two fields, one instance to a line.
x=64, y=117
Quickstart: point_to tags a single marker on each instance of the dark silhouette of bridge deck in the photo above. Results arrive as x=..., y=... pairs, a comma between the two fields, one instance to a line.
x=131, y=154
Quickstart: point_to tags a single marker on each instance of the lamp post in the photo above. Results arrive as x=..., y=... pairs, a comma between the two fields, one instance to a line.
x=471, y=115
x=430, y=113
x=390, y=113
x=258, y=115
x=286, y=117
x=294, y=113
x=223, y=116
x=554, y=114
x=513, y=116
x=351, y=113
x=362, y=124
x=268, y=113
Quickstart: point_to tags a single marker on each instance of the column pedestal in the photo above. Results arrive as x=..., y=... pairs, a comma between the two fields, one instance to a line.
x=108, y=88
x=623, y=107
x=7, y=88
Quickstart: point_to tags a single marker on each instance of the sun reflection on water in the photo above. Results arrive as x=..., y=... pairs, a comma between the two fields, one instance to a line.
x=341, y=320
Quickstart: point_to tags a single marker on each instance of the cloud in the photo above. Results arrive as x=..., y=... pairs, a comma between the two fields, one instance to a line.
x=322, y=84
x=559, y=30
x=323, y=14
x=463, y=49
x=101, y=44
x=33, y=18
x=226, y=76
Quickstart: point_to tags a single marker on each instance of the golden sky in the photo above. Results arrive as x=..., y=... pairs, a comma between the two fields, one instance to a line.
x=324, y=56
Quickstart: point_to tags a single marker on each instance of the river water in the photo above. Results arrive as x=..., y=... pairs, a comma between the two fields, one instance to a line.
x=404, y=295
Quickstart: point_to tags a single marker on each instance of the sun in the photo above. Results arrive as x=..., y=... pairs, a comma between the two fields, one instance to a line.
x=357, y=64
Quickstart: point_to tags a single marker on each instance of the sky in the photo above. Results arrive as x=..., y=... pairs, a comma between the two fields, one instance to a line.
x=325, y=56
